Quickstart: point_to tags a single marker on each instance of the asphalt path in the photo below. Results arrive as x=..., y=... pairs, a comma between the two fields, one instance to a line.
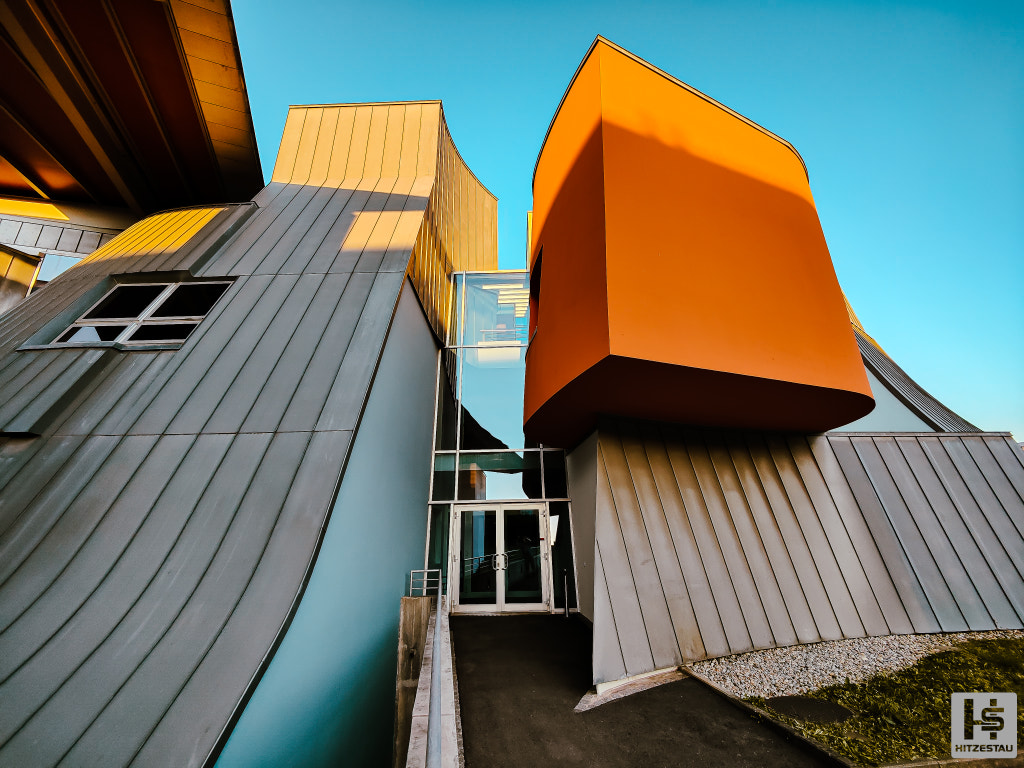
x=521, y=676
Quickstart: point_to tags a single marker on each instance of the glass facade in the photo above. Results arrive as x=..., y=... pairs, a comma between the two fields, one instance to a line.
x=480, y=451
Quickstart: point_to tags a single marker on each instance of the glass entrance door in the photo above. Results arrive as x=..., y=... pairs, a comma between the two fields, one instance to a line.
x=500, y=558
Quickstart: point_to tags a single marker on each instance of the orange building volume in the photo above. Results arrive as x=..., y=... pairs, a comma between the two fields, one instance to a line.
x=678, y=268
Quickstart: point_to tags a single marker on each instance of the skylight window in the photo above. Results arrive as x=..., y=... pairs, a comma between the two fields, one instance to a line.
x=145, y=313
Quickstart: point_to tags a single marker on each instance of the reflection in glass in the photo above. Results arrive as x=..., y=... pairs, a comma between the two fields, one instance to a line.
x=562, y=573
x=507, y=475
x=492, y=395
x=522, y=556
x=90, y=333
x=478, y=584
x=437, y=549
x=447, y=412
x=443, y=486
x=496, y=309
x=554, y=475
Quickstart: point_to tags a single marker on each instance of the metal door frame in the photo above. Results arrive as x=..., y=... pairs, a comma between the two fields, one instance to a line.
x=455, y=555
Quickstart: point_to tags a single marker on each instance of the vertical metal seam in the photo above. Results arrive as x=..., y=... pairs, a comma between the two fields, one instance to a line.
x=939, y=527
x=828, y=540
x=743, y=444
x=242, y=590
x=912, y=571
x=611, y=606
x=618, y=531
x=148, y=653
x=846, y=530
x=675, y=552
x=695, y=438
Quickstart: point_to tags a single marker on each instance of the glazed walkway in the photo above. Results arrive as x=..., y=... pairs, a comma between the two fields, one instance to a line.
x=521, y=676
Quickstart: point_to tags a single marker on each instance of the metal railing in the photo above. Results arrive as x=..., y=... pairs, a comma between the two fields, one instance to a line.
x=424, y=582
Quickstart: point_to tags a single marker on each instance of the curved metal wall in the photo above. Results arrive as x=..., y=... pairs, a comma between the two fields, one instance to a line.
x=709, y=543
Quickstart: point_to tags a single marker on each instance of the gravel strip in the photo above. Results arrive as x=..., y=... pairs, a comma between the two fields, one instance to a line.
x=802, y=668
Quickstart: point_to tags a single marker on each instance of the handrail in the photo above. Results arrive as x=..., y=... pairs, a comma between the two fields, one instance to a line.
x=434, y=714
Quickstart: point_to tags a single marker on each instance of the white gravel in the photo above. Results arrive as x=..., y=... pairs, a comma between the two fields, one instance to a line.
x=802, y=668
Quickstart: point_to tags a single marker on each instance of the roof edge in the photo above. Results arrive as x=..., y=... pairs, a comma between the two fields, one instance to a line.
x=675, y=80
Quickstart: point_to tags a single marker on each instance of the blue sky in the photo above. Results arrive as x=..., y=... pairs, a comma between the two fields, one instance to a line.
x=909, y=115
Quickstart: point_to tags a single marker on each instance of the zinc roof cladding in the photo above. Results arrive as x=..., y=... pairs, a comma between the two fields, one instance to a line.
x=712, y=543
x=157, y=536
x=598, y=41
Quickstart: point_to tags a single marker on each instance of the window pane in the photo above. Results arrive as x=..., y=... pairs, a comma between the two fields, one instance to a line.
x=496, y=309
x=163, y=332
x=446, y=410
x=492, y=398
x=191, y=300
x=88, y=333
x=506, y=475
x=126, y=301
x=562, y=571
x=437, y=555
x=554, y=475
x=443, y=487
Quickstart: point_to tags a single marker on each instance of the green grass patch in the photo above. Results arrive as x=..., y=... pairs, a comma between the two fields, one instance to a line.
x=906, y=715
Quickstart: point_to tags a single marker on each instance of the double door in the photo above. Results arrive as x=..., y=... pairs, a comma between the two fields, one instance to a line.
x=500, y=558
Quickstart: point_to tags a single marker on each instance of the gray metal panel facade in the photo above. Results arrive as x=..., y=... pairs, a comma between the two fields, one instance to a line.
x=710, y=543
x=158, y=533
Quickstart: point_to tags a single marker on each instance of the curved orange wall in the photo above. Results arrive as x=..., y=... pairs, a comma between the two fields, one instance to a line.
x=684, y=275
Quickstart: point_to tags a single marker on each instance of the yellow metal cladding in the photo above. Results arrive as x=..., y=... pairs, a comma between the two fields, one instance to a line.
x=162, y=233
x=411, y=196
x=459, y=233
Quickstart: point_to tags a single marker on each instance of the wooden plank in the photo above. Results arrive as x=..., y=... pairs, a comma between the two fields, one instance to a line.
x=801, y=554
x=711, y=640
x=240, y=394
x=636, y=448
x=642, y=567
x=725, y=597
x=922, y=560
x=970, y=569
x=134, y=709
x=89, y=565
x=89, y=659
x=878, y=587
x=797, y=616
x=219, y=682
x=624, y=601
